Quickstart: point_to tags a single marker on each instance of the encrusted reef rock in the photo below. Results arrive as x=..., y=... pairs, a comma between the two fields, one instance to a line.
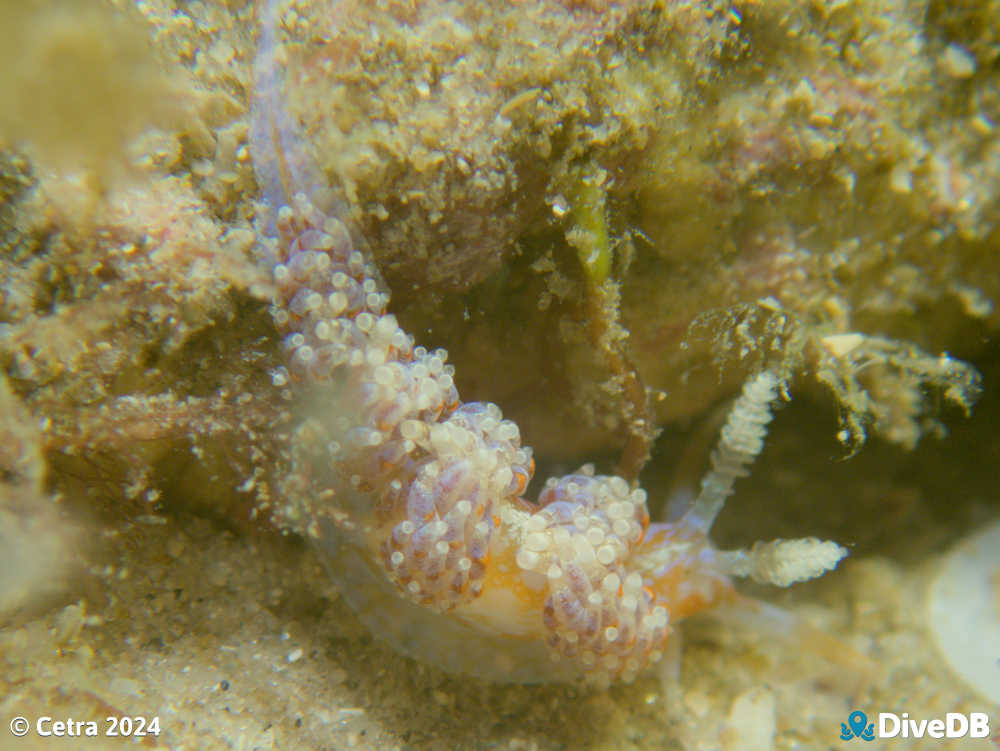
x=839, y=161
x=563, y=194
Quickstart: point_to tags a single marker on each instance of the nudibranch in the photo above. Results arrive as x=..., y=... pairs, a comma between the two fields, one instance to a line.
x=416, y=498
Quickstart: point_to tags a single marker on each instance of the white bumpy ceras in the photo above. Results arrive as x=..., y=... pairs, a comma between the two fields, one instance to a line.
x=416, y=497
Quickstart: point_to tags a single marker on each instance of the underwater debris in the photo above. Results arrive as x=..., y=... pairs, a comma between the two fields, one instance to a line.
x=758, y=331
x=886, y=384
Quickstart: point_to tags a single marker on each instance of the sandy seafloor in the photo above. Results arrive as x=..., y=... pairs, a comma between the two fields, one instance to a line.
x=234, y=636
x=240, y=642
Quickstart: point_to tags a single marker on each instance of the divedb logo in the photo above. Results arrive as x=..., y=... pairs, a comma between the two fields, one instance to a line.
x=889, y=725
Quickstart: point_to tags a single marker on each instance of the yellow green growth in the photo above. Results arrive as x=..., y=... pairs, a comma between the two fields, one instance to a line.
x=589, y=235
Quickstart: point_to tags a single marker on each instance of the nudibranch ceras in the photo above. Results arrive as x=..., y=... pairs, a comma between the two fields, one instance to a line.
x=416, y=498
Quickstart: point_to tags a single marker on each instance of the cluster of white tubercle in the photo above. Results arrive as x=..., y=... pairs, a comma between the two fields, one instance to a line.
x=440, y=474
x=579, y=542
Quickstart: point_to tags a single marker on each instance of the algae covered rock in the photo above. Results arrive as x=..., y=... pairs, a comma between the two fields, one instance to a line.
x=605, y=211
